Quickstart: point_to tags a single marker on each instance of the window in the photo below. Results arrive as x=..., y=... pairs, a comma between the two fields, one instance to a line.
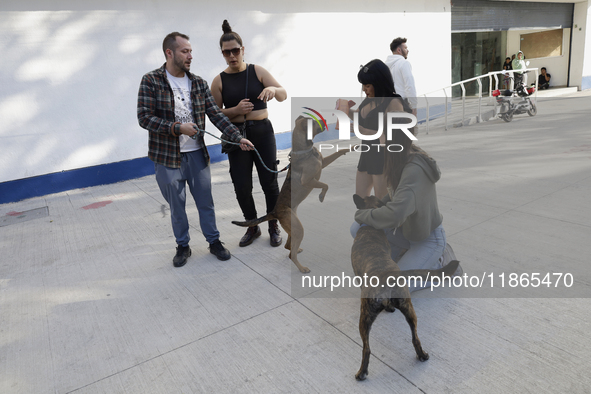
x=542, y=44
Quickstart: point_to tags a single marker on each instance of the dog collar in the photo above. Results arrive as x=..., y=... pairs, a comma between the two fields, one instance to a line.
x=301, y=152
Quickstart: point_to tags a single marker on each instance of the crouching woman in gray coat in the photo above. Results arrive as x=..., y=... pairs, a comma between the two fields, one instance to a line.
x=411, y=215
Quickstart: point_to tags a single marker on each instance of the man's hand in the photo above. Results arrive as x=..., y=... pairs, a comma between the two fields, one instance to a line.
x=188, y=129
x=246, y=144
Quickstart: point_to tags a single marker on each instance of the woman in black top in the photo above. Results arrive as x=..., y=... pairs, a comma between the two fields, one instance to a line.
x=378, y=86
x=229, y=90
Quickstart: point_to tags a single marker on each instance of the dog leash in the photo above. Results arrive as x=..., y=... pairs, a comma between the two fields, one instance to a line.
x=200, y=132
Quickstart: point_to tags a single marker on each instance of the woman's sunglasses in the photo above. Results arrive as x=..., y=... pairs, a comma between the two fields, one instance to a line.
x=233, y=51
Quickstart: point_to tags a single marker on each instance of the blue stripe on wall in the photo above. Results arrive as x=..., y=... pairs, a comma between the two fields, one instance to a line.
x=21, y=189
x=586, y=83
x=103, y=174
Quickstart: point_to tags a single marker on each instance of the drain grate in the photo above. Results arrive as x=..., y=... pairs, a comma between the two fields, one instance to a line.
x=19, y=217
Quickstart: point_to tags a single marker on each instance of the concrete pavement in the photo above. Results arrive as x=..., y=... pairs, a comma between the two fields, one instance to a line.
x=90, y=301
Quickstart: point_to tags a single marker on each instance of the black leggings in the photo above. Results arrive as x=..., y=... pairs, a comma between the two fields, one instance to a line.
x=261, y=134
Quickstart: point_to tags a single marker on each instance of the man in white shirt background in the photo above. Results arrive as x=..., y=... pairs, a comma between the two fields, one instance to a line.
x=401, y=70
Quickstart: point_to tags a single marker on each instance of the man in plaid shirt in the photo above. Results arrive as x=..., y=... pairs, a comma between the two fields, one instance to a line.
x=171, y=102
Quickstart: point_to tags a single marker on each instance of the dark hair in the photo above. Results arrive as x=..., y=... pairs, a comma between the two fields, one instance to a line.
x=229, y=35
x=395, y=161
x=377, y=74
x=508, y=58
x=396, y=43
x=170, y=41
x=543, y=68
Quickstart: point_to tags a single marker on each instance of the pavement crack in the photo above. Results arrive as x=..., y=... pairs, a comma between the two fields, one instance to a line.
x=517, y=209
x=178, y=348
x=331, y=325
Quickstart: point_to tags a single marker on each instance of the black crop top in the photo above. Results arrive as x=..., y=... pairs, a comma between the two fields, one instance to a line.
x=234, y=85
x=371, y=119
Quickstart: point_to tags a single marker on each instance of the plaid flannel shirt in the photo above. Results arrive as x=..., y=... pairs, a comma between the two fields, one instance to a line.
x=155, y=113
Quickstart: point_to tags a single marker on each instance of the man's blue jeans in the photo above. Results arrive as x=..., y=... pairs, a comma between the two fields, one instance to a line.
x=194, y=172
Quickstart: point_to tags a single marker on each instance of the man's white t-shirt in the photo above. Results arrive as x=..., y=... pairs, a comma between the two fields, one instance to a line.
x=181, y=89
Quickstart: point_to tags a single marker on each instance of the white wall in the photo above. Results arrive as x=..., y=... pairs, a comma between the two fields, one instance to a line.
x=578, y=44
x=557, y=66
x=584, y=37
x=70, y=70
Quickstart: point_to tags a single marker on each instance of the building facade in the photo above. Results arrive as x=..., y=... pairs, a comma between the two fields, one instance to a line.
x=70, y=70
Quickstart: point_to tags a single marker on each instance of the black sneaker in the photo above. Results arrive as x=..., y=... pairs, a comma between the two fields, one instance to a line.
x=182, y=254
x=219, y=250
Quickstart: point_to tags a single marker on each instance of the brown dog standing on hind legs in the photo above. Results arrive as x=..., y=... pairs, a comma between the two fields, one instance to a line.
x=370, y=255
x=302, y=177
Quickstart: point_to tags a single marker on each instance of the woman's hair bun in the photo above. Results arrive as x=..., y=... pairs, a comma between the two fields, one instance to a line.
x=229, y=35
x=226, y=27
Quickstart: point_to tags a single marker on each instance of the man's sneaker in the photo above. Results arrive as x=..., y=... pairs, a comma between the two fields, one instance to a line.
x=182, y=254
x=217, y=248
x=274, y=233
x=251, y=234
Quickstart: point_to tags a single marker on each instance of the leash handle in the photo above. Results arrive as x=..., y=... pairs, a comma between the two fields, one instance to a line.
x=200, y=133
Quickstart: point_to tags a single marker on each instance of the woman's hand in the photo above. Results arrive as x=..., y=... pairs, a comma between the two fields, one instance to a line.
x=267, y=94
x=345, y=105
x=244, y=107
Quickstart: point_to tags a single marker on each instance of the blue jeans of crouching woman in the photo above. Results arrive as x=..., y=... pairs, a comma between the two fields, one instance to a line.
x=424, y=254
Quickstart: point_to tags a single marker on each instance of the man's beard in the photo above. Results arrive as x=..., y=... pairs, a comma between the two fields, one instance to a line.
x=180, y=64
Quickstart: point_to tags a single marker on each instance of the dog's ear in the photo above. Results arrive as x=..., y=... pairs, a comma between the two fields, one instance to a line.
x=299, y=120
x=359, y=202
x=373, y=202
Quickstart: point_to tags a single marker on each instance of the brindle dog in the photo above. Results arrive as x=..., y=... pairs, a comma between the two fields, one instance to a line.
x=302, y=177
x=370, y=255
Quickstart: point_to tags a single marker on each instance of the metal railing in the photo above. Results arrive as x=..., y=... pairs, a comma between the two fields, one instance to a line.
x=490, y=76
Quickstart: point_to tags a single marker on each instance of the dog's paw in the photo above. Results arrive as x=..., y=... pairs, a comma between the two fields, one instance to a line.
x=424, y=357
x=361, y=375
x=304, y=270
x=321, y=196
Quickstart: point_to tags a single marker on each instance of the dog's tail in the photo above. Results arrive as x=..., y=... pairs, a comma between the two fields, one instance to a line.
x=448, y=270
x=254, y=222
